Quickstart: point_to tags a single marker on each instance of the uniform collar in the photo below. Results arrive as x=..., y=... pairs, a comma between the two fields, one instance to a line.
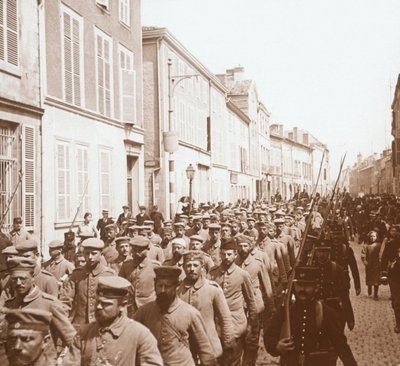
x=175, y=304
x=33, y=294
x=117, y=327
x=97, y=270
x=199, y=283
x=143, y=262
x=59, y=260
x=230, y=269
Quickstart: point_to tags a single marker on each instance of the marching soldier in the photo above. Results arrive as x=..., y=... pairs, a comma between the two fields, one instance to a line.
x=124, y=252
x=287, y=240
x=315, y=328
x=196, y=243
x=18, y=233
x=139, y=270
x=28, y=337
x=57, y=265
x=263, y=295
x=197, y=228
x=207, y=297
x=178, y=248
x=124, y=342
x=78, y=293
x=237, y=287
x=171, y=321
x=110, y=252
x=212, y=246
x=166, y=245
x=27, y=295
x=43, y=279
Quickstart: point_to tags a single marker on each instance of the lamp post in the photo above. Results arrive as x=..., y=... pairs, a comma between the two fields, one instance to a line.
x=190, y=175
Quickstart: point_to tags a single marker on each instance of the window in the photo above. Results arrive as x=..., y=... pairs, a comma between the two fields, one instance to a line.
x=72, y=48
x=104, y=73
x=124, y=11
x=9, y=32
x=105, y=179
x=63, y=181
x=82, y=176
x=127, y=86
x=29, y=177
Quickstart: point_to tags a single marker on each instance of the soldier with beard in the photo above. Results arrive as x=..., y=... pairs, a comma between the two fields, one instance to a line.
x=124, y=252
x=123, y=341
x=177, y=326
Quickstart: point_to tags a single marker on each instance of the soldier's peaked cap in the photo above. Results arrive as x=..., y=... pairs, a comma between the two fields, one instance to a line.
x=179, y=224
x=168, y=272
x=140, y=242
x=26, y=245
x=54, y=244
x=21, y=264
x=179, y=241
x=228, y=243
x=279, y=221
x=93, y=243
x=111, y=226
x=28, y=318
x=148, y=222
x=113, y=287
x=243, y=239
x=306, y=274
x=196, y=238
x=214, y=226
x=193, y=255
x=122, y=239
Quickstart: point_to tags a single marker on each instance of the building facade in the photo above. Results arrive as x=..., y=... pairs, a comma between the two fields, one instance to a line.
x=395, y=130
x=92, y=129
x=20, y=115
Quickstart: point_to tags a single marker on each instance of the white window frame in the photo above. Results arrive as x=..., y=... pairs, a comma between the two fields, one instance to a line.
x=5, y=64
x=104, y=36
x=127, y=52
x=127, y=5
x=77, y=17
x=67, y=183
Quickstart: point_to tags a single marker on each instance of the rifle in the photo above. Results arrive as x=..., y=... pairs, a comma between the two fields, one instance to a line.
x=80, y=204
x=286, y=328
x=7, y=208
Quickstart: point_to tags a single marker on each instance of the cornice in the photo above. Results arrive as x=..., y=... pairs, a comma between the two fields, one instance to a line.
x=23, y=107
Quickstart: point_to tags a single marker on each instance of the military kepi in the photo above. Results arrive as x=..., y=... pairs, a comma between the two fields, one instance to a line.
x=306, y=274
x=21, y=264
x=93, y=243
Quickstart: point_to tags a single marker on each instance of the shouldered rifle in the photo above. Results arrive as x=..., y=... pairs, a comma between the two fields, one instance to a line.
x=79, y=206
x=7, y=208
x=286, y=326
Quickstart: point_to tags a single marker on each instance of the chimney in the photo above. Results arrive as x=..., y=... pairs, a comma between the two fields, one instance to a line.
x=295, y=134
x=305, y=138
x=238, y=73
x=359, y=159
x=281, y=130
x=290, y=135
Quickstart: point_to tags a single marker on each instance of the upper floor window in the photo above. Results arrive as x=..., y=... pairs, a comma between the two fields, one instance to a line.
x=127, y=85
x=103, y=73
x=9, y=53
x=72, y=48
x=124, y=11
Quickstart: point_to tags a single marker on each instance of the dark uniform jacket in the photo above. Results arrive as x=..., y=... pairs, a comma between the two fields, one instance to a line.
x=343, y=255
x=78, y=293
x=101, y=226
x=312, y=337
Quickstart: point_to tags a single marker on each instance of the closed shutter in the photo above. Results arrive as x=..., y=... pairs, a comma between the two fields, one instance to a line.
x=9, y=31
x=63, y=181
x=104, y=80
x=128, y=82
x=29, y=177
x=82, y=173
x=105, y=179
x=72, y=59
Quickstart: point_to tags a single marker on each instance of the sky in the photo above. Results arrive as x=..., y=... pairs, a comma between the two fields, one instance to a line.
x=328, y=66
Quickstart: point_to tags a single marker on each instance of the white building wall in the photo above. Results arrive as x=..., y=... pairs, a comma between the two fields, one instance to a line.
x=75, y=131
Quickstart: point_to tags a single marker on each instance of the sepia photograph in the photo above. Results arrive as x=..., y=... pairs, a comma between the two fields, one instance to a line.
x=199, y=183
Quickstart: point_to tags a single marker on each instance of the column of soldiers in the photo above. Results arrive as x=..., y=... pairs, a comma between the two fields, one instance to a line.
x=202, y=290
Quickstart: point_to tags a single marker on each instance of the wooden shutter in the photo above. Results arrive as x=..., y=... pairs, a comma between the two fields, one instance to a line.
x=128, y=81
x=9, y=31
x=29, y=177
x=100, y=74
x=72, y=62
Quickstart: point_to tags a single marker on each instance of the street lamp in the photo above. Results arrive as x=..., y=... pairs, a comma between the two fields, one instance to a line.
x=190, y=175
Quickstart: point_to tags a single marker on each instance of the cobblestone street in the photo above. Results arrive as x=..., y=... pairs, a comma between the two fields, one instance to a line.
x=373, y=340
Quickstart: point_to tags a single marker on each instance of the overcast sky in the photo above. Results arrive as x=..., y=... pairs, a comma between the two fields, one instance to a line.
x=328, y=66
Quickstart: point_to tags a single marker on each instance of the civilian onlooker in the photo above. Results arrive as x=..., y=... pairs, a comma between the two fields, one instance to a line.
x=370, y=258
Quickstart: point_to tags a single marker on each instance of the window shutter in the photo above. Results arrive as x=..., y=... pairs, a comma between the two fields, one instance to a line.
x=29, y=177
x=128, y=95
x=68, y=59
x=2, y=31
x=76, y=61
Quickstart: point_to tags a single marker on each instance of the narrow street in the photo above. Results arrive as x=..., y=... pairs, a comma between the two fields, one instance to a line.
x=373, y=340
